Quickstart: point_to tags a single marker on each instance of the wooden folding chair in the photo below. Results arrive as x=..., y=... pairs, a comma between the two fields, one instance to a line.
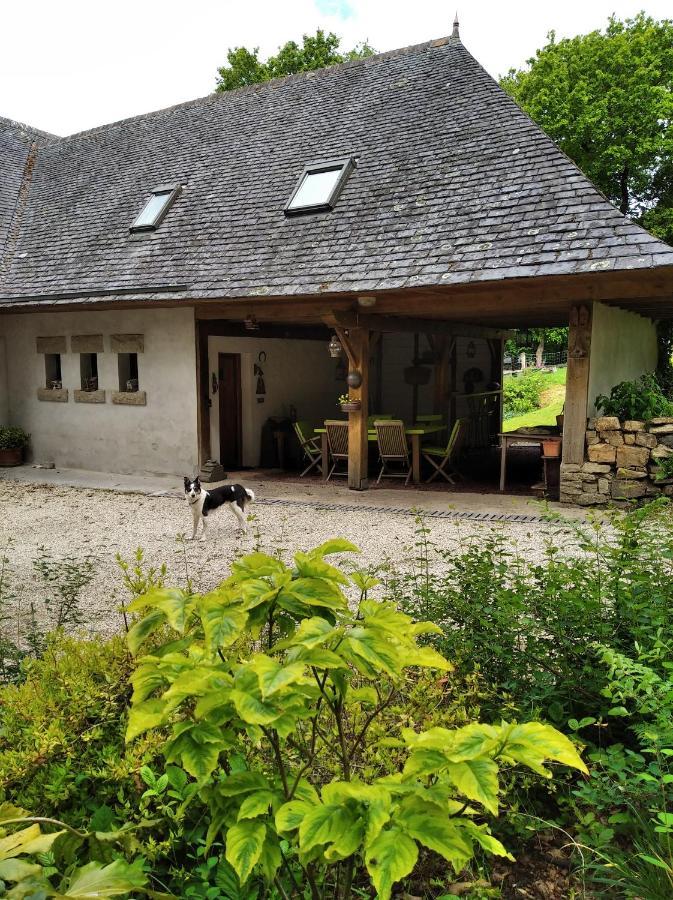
x=393, y=448
x=337, y=442
x=310, y=447
x=442, y=458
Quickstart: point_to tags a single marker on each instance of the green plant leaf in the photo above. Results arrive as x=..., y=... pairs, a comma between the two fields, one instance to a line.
x=244, y=844
x=318, y=826
x=144, y=716
x=435, y=832
x=242, y=783
x=254, y=805
x=477, y=779
x=315, y=592
x=172, y=602
x=312, y=632
x=333, y=545
x=380, y=656
x=143, y=628
x=17, y=869
x=113, y=880
x=272, y=676
x=222, y=624
x=533, y=742
x=391, y=857
x=292, y=814
x=256, y=565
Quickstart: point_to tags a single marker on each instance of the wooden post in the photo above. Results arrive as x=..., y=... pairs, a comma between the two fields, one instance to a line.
x=358, y=443
x=577, y=385
x=442, y=348
x=202, y=392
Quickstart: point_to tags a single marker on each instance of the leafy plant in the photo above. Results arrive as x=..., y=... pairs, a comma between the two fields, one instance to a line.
x=522, y=394
x=268, y=688
x=641, y=399
x=665, y=469
x=65, y=578
x=41, y=865
x=12, y=438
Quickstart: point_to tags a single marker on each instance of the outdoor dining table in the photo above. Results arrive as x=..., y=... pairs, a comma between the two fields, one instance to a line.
x=508, y=438
x=415, y=432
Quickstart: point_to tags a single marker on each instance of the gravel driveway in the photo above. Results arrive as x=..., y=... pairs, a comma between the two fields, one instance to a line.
x=83, y=523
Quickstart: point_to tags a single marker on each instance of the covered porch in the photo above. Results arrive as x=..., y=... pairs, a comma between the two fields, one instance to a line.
x=442, y=338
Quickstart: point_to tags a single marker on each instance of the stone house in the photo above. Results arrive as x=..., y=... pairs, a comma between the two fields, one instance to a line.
x=169, y=282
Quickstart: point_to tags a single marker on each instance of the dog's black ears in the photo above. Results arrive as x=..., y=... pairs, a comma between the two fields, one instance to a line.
x=188, y=481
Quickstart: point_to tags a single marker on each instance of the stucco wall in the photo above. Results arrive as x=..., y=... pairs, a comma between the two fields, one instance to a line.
x=623, y=347
x=297, y=373
x=4, y=392
x=160, y=437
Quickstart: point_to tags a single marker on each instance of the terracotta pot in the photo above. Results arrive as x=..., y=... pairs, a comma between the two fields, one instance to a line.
x=351, y=406
x=552, y=447
x=11, y=457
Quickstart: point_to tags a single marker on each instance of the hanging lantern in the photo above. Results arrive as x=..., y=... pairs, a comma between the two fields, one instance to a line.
x=334, y=347
x=471, y=351
x=250, y=323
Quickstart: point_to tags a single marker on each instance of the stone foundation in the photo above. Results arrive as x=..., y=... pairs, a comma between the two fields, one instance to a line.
x=621, y=462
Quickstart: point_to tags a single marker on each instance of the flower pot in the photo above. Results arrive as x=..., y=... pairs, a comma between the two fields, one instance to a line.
x=351, y=406
x=559, y=421
x=552, y=447
x=11, y=457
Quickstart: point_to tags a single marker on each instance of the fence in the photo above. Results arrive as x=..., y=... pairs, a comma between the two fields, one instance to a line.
x=529, y=360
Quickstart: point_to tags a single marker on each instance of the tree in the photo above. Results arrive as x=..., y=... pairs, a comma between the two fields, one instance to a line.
x=317, y=51
x=606, y=98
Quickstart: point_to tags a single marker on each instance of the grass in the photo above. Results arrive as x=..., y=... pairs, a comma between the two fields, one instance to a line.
x=552, y=399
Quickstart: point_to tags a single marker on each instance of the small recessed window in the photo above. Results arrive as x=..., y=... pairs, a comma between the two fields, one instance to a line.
x=52, y=370
x=156, y=208
x=88, y=370
x=319, y=186
x=128, y=372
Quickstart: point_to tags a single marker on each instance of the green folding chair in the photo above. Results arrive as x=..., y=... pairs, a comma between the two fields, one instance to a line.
x=442, y=458
x=310, y=446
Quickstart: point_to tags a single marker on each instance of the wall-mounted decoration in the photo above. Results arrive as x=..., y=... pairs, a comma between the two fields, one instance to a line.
x=262, y=357
x=214, y=383
x=260, y=390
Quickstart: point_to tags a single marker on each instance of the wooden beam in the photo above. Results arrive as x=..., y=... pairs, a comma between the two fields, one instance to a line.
x=418, y=325
x=351, y=353
x=358, y=443
x=577, y=384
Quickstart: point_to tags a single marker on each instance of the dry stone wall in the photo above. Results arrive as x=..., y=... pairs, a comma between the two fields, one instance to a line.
x=621, y=462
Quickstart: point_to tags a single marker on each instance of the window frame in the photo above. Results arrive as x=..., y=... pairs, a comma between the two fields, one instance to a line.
x=346, y=164
x=172, y=190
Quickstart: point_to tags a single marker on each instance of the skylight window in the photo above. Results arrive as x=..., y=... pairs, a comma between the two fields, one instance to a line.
x=319, y=186
x=156, y=208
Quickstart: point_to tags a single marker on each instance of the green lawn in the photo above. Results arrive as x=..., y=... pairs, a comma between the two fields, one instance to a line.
x=553, y=398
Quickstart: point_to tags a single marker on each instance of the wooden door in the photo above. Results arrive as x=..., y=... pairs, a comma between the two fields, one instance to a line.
x=229, y=376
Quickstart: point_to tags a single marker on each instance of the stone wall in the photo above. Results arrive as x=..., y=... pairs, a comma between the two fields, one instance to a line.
x=621, y=462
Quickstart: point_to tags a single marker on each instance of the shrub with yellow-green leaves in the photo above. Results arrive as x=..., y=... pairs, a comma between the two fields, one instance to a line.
x=267, y=692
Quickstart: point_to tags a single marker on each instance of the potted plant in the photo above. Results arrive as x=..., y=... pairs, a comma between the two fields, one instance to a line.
x=347, y=405
x=12, y=444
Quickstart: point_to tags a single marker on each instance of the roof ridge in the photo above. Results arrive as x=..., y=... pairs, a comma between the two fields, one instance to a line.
x=26, y=133
x=266, y=85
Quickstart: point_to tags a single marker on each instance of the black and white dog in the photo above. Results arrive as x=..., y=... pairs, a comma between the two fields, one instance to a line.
x=202, y=502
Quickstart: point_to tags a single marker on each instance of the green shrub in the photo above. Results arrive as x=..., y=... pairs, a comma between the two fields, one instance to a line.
x=275, y=734
x=522, y=394
x=641, y=399
x=11, y=438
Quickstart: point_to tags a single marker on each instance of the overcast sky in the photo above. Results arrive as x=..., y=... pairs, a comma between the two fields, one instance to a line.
x=69, y=65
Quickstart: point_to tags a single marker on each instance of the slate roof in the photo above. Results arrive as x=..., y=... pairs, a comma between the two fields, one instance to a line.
x=454, y=183
x=15, y=143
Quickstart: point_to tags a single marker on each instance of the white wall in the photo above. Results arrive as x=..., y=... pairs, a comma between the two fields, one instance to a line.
x=4, y=389
x=623, y=347
x=297, y=373
x=160, y=437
